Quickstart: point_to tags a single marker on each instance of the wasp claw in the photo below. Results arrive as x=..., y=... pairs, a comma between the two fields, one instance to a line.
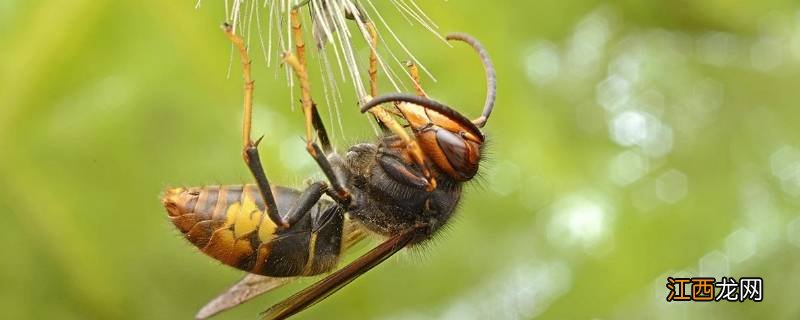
x=258, y=141
x=431, y=185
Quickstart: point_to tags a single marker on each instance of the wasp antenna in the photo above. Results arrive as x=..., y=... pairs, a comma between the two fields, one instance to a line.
x=491, y=78
x=427, y=103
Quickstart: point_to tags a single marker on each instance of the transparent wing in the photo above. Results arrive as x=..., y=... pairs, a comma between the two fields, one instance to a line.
x=251, y=286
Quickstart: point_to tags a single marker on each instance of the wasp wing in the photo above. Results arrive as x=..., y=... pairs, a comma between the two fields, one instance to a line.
x=253, y=285
x=335, y=281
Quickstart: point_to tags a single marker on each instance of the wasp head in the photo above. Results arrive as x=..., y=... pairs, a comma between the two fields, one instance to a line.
x=452, y=144
x=448, y=139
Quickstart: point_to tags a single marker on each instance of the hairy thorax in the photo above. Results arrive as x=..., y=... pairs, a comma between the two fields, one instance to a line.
x=387, y=201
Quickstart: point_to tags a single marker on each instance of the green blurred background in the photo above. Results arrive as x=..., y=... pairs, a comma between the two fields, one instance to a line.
x=631, y=141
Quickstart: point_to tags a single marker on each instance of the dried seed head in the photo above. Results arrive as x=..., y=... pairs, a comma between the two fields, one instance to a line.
x=334, y=25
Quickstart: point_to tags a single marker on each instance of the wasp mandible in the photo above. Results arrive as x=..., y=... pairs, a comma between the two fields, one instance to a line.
x=404, y=187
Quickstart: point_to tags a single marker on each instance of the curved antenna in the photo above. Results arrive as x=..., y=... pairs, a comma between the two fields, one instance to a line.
x=491, y=78
x=427, y=103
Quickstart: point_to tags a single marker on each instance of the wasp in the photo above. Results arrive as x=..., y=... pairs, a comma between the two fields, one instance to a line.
x=403, y=187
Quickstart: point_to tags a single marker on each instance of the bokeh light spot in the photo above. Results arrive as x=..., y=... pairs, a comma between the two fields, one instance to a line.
x=627, y=167
x=766, y=54
x=793, y=232
x=672, y=186
x=629, y=128
x=613, y=92
x=523, y=292
x=542, y=64
x=717, y=48
x=580, y=220
x=714, y=264
x=741, y=245
x=506, y=178
x=293, y=154
x=785, y=165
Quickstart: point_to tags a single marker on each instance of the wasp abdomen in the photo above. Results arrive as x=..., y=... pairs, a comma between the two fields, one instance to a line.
x=229, y=224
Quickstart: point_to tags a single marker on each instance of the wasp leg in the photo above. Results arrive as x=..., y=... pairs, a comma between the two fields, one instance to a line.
x=340, y=193
x=253, y=161
x=413, y=71
x=305, y=202
x=412, y=147
x=300, y=48
x=373, y=69
x=385, y=121
x=250, y=148
x=401, y=172
x=298, y=64
x=311, y=245
x=427, y=103
x=373, y=58
x=322, y=134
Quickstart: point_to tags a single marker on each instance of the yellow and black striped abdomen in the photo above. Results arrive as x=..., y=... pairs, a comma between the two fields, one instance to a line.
x=229, y=223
